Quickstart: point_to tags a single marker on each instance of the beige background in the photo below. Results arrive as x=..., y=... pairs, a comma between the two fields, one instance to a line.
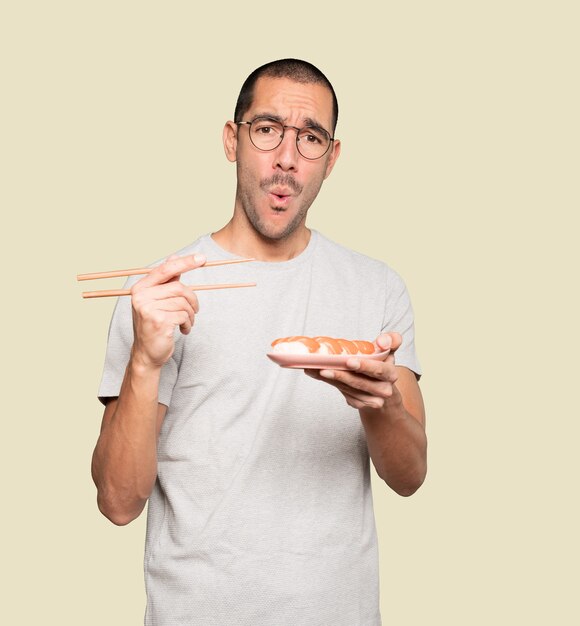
x=460, y=133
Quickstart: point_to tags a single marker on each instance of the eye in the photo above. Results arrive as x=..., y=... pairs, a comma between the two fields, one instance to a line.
x=312, y=139
x=266, y=128
x=313, y=136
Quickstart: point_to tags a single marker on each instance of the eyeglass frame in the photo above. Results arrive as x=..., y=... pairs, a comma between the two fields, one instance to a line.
x=284, y=127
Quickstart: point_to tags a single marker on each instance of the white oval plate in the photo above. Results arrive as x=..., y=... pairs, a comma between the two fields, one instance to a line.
x=321, y=361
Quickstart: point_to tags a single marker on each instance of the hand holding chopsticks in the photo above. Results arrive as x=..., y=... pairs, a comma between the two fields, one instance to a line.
x=161, y=303
x=147, y=270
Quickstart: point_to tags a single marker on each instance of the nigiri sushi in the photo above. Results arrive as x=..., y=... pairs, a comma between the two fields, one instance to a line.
x=321, y=345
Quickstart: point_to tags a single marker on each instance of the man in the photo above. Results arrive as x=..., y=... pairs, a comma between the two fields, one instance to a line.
x=257, y=477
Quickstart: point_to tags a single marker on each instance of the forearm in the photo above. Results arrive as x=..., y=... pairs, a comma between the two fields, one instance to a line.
x=124, y=463
x=397, y=444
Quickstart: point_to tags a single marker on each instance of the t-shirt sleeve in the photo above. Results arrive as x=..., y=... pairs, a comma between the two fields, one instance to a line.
x=399, y=318
x=119, y=345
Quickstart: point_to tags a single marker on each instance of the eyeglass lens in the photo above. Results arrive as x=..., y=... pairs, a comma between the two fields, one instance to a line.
x=312, y=142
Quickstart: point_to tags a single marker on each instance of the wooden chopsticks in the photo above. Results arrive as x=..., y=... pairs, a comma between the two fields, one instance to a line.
x=127, y=292
x=105, y=293
x=146, y=270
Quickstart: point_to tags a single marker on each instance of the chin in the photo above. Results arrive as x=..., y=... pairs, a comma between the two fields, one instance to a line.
x=275, y=232
x=278, y=229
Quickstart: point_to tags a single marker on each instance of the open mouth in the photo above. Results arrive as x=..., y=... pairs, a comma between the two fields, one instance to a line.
x=279, y=200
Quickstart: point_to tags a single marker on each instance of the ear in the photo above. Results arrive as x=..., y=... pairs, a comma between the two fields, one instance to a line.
x=335, y=153
x=230, y=139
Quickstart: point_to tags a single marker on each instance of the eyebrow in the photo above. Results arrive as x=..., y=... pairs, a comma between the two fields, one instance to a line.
x=308, y=121
x=268, y=116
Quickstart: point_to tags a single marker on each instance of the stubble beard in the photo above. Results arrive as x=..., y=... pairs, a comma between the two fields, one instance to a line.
x=249, y=191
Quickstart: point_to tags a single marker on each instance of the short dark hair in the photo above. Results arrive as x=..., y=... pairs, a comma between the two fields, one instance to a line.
x=294, y=69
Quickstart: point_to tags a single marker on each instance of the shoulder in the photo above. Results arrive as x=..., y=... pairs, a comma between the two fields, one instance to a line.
x=352, y=261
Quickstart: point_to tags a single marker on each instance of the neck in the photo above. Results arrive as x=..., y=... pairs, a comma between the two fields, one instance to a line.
x=240, y=238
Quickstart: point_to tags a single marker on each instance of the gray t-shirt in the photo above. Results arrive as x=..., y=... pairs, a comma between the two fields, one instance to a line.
x=262, y=510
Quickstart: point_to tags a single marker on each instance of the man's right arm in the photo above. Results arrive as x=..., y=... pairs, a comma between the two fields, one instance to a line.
x=124, y=465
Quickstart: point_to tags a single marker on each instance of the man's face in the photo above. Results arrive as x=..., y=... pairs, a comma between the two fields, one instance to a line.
x=276, y=188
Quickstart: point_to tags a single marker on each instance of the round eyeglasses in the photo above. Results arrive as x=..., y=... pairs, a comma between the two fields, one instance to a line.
x=267, y=134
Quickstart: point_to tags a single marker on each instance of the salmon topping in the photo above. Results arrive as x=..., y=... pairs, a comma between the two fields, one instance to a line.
x=332, y=345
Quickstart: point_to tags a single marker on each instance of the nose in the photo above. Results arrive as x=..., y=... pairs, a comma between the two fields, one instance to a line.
x=286, y=154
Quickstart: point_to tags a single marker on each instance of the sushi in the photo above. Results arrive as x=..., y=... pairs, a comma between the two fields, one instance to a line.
x=321, y=345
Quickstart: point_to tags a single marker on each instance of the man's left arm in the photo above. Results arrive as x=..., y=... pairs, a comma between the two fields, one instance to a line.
x=392, y=412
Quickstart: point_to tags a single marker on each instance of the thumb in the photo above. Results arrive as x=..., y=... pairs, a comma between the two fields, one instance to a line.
x=389, y=341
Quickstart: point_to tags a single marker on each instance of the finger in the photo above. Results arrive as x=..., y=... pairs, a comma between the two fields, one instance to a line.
x=353, y=402
x=350, y=395
x=379, y=370
x=157, y=293
x=177, y=288
x=312, y=373
x=181, y=319
x=354, y=397
x=359, y=401
x=354, y=383
x=168, y=305
x=175, y=278
x=376, y=397
x=389, y=341
x=358, y=393
x=186, y=327
x=172, y=290
x=175, y=304
x=172, y=268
